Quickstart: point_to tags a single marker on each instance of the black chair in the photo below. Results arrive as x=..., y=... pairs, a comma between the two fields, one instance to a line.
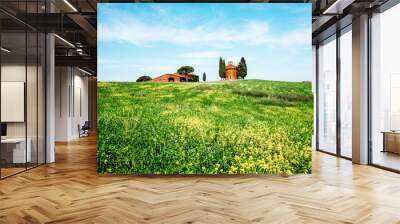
x=84, y=130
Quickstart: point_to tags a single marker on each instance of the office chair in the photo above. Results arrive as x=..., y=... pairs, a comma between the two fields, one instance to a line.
x=84, y=130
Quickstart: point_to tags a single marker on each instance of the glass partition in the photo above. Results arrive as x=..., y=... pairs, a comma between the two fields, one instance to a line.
x=22, y=78
x=41, y=96
x=14, y=153
x=327, y=96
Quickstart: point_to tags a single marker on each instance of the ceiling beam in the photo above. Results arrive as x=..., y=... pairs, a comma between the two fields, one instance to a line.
x=79, y=61
x=86, y=26
x=337, y=7
x=49, y=22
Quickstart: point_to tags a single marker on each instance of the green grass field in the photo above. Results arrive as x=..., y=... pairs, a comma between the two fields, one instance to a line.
x=230, y=127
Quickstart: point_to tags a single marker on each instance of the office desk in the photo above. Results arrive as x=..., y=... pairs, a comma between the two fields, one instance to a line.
x=13, y=150
x=391, y=141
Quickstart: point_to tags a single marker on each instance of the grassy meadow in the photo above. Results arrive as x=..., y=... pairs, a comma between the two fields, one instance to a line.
x=226, y=127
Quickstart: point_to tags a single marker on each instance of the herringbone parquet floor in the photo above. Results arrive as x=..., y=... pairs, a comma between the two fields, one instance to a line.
x=70, y=191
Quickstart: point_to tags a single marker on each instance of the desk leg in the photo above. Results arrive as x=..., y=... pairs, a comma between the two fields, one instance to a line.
x=384, y=142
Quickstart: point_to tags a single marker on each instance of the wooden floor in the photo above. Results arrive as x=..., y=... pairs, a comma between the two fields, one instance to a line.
x=387, y=159
x=5, y=172
x=70, y=191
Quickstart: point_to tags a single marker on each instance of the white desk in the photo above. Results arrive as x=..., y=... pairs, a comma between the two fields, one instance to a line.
x=19, y=155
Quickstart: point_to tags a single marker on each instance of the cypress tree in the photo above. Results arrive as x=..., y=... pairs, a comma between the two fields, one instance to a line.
x=204, y=77
x=244, y=74
x=239, y=70
x=242, y=68
x=221, y=68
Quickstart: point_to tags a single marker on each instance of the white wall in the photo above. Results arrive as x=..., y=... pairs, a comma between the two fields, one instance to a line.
x=71, y=87
x=81, y=114
x=62, y=83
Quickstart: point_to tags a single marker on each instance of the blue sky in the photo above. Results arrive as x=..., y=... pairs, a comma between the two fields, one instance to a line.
x=153, y=39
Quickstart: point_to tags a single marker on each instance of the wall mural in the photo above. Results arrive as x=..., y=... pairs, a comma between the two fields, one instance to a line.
x=204, y=88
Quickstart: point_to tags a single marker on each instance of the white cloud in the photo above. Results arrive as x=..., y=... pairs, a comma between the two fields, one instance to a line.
x=145, y=33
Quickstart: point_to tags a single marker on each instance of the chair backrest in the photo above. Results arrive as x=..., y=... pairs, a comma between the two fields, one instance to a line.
x=86, y=125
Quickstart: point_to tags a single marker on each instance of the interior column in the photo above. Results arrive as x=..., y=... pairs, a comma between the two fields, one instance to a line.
x=360, y=90
x=50, y=92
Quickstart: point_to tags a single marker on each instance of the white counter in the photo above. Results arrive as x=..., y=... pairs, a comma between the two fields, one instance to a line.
x=19, y=154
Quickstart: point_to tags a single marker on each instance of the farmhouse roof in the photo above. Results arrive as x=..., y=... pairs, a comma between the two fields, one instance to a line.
x=174, y=74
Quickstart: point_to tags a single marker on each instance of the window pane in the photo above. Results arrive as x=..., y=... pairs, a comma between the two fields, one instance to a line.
x=31, y=97
x=386, y=89
x=346, y=93
x=327, y=96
